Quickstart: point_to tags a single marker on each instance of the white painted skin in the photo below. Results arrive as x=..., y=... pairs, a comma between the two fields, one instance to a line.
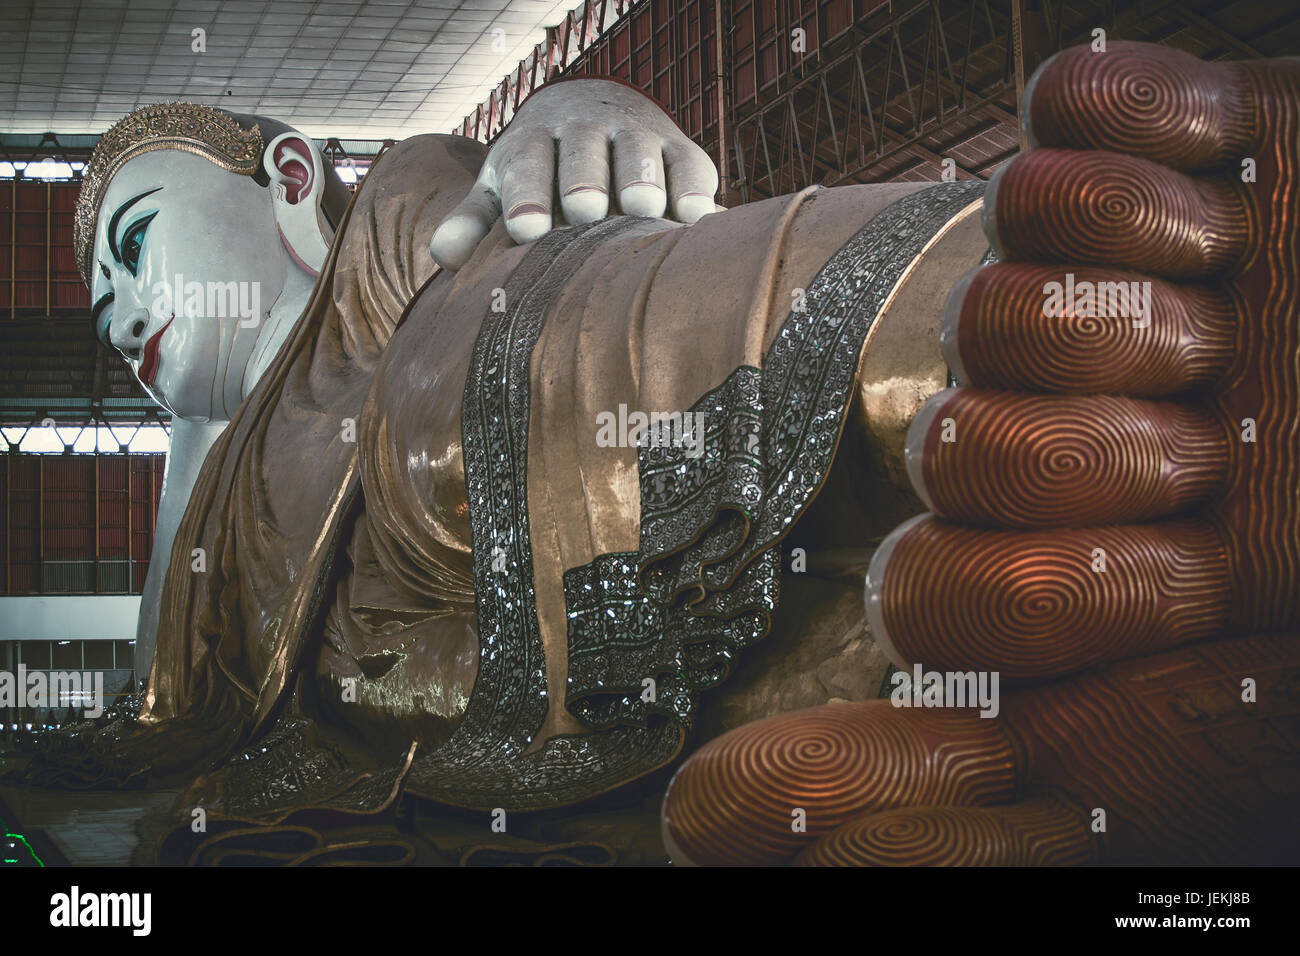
x=208, y=225
x=215, y=226
x=561, y=143
x=190, y=442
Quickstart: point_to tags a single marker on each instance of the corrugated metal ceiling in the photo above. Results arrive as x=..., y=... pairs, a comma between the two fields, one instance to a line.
x=370, y=70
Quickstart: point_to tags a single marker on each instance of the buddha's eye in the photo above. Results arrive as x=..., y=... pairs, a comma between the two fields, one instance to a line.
x=133, y=242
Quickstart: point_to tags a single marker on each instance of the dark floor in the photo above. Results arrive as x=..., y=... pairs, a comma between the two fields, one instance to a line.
x=82, y=828
x=88, y=828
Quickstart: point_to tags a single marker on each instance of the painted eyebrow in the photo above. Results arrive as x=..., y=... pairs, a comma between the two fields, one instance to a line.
x=112, y=223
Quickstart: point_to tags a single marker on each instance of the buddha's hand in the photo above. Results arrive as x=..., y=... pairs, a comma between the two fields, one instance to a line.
x=1120, y=479
x=577, y=140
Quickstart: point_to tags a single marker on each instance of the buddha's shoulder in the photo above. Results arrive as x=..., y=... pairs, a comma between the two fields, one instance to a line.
x=419, y=161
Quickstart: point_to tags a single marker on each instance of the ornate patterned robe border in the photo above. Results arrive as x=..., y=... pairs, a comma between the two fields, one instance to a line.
x=706, y=578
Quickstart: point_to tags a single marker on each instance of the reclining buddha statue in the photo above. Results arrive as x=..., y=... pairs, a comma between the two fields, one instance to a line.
x=487, y=501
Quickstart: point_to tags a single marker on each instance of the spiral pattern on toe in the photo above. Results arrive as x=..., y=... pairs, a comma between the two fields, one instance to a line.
x=1156, y=102
x=734, y=801
x=1030, y=604
x=1061, y=206
x=1025, y=461
x=998, y=333
x=1260, y=512
x=1042, y=832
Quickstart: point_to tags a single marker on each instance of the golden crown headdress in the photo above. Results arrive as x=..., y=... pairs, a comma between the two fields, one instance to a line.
x=190, y=127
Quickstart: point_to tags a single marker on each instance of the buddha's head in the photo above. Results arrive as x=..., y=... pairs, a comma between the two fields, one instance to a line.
x=192, y=223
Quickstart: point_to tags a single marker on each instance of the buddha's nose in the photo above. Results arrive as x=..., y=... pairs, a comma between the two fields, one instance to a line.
x=126, y=332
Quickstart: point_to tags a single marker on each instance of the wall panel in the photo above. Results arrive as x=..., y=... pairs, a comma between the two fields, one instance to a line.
x=77, y=524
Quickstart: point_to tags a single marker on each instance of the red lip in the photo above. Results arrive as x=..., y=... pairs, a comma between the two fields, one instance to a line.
x=149, y=365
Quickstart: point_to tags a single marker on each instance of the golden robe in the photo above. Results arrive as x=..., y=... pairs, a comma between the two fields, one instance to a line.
x=409, y=563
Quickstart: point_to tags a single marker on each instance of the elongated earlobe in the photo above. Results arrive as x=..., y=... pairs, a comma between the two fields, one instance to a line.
x=290, y=167
x=295, y=170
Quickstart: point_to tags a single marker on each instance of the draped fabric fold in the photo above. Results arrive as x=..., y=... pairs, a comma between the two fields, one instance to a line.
x=430, y=501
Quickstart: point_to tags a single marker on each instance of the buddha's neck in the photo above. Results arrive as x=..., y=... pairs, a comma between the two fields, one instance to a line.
x=280, y=322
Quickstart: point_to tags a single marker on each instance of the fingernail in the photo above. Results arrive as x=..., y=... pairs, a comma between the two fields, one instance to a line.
x=693, y=206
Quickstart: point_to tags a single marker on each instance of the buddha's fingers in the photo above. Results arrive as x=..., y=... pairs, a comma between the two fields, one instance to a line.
x=1180, y=757
x=766, y=791
x=1159, y=103
x=1259, y=394
x=583, y=171
x=1033, y=604
x=457, y=236
x=1005, y=459
x=1055, y=205
x=692, y=182
x=639, y=176
x=1085, y=329
x=527, y=186
x=1151, y=101
x=1045, y=831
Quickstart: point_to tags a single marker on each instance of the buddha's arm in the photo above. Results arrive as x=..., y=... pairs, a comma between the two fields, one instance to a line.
x=431, y=199
x=190, y=442
x=560, y=143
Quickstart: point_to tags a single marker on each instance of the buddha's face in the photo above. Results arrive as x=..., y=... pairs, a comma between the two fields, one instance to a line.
x=188, y=262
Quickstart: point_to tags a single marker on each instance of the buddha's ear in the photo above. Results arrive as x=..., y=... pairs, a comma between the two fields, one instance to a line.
x=296, y=172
